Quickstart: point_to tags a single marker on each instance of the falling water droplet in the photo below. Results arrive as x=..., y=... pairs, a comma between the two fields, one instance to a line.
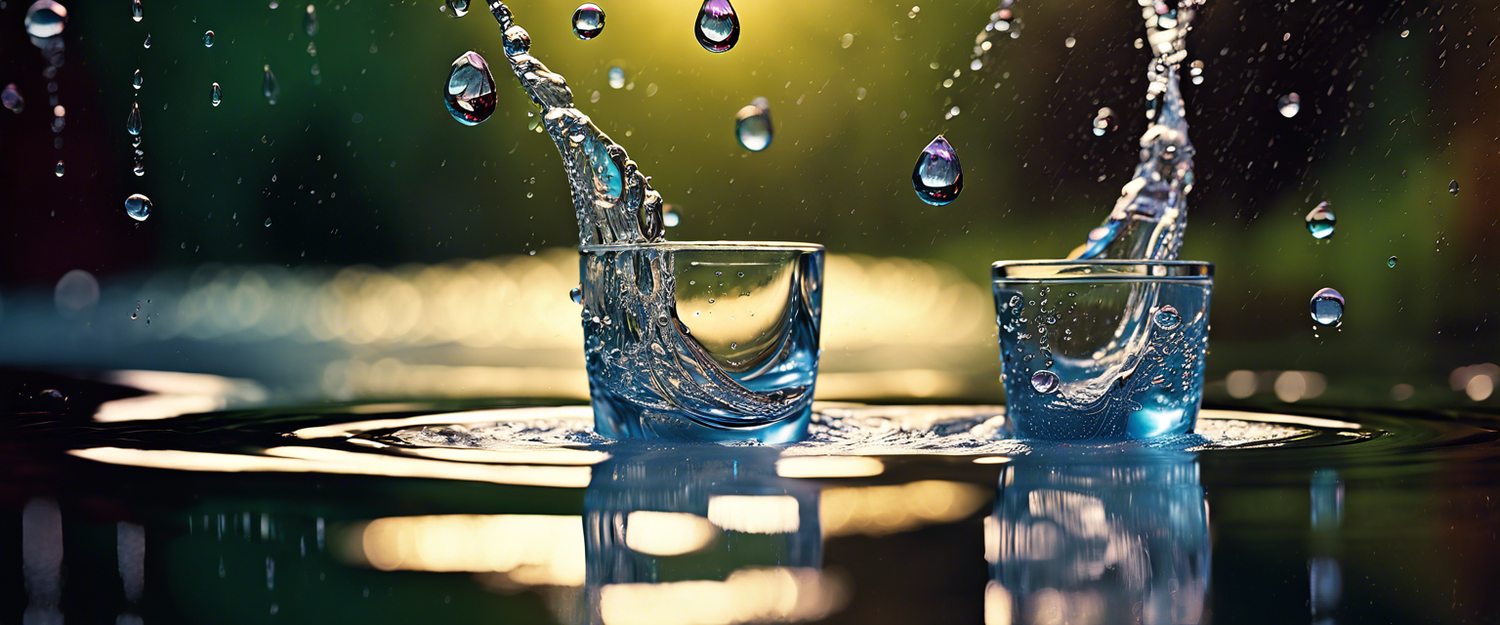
x=135, y=10
x=1289, y=104
x=133, y=122
x=208, y=39
x=147, y=43
x=616, y=78
x=138, y=207
x=136, y=80
x=1195, y=69
x=216, y=95
x=59, y=169
x=752, y=125
x=458, y=8
x=1167, y=318
x=269, y=87
x=268, y=222
x=588, y=21
x=11, y=98
x=140, y=166
x=470, y=94
x=1405, y=34
x=46, y=19
x=1044, y=382
x=718, y=27
x=1320, y=221
x=938, y=177
x=671, y=215
x=1104, y=121
x=310, y=21
x=1391, y=262
x=1327, y=307
x=1453, y=187
x=576, y=293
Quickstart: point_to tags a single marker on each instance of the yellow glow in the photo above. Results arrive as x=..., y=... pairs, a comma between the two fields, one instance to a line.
x=828, y=467
x=342, y=430
x=1312, y=422
x=998, y=607
x=150, y=407
x=992, y=460
x=539, y=550
x=755, y=514
x=1241, y=383
x=560, y=456
x=172, y=394
x=667, y=533
x=748, y=595
x=881, y=510
x=1479, y=387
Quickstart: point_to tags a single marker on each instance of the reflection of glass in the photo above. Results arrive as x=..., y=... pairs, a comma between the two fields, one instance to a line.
x=709, y=341
x=710, y=537
x=1122, y=540
x=1102, y=349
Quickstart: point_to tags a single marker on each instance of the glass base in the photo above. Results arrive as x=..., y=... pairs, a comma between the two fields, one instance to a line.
x=618, y=418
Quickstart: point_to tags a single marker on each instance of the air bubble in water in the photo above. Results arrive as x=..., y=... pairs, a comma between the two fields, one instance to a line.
x=11, y=98
x=458, y=8
x=938, y=177
x=135, y=10
x=216, y=95
x=133, y=121
x=616, y=78
x=1104, y=121
x=1167, y=318
x=752, y=125
x=576, y=294
x=1327, y=307
x=1320, y=221
x=269, y=87
x=588, y=21
x=59, y=169
x=1044, y=382
x=718, y=26
x=138, y=207
x=1289, y=104
x=470, y=94
x=1391, y=262
x=208, y=39
x=46, y=19
x=1453, y=187
x=310, y=21
x=135, y=81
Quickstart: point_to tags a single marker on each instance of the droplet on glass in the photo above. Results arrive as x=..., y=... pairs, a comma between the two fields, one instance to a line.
x=138, y=207
x=616, y=78
x=216, y=95
x=1320, y=221
x=1044, y=382
x=938, y=176
x=1289, y=104
x=46, y=19
x=1167, y=318
x=718, y=27
x=576, y=293
x=470, y=94
x=1327, y=307
x=1391, y=262
x=208, y=39
x=1104, y=121
x=133, y=121
x=59, y=169
x=310, y=21
x=1453, y=187
x=135, y=10
x=458, y=8
x=269, y=87
x=11, y=98
x=135, y=81
x=752, y=125
x=588, y=21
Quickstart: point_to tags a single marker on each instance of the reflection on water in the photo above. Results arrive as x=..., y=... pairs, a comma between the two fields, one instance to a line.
x=1122, y=539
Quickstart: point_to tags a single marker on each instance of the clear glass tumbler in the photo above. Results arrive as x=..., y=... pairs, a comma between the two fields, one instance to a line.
x=1102, y=349
x=702, y=341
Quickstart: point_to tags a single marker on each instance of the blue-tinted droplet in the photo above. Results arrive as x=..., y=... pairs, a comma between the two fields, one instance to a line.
x=588, y=21
x=671, y=216
x=1320, y=221
x=1167, y=318
x=11, y=98
x=752, y=125
x=616, y=78
x=46, y=19
x=59, y=169
x=458, y=8
x=137, y=79
x=1327, y=307
x=576, y=293
x=208, y=39
x=133, y=121
x=470, y=94
x=135, y=10
x=718, y=27
x=1391, y=262
x=938, y=176
x=216, y=95
x=138, y=207
x=1044, y=382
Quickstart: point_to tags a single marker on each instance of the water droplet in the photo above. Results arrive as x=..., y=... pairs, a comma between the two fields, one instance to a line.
x=1391, y=262
x=588, y=21
x=576, y=293
x=268, y=222
x=1070, y=42
x=135, y=10
x=135, y=81
x=216, y=95
x=140, y=166
x=59, y=169
x=52, y=393
x=1405, y=34
x=846, y=41
x=138, y=207
x=11, y=98
x=1320, y=221
x=310, y=21
x=1289, y=104
x=752, y=125
x=147, y=43
x=1104, y=121
x=517, y=41
x=46, y=19
x=458, y=8
x=671, y=216
x=470, y=94
x=938, y=177
x=269, y=87
x=1044, y=382
x=208, y=39
x=616, y=78
x=133, y=121
x=1453, y=187
x=1167, y=318
x=1327, y=307
x=718, y=27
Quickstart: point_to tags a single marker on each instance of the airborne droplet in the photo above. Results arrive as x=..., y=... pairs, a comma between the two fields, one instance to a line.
x=133, y=122
x=1167, y=318
x=718, y=27
x=752, y=125
x=11, y=98
x=136, y=80
x=147, y=42
x=216, y=95
x=269, y=87
x=1391, y=262
x=1320, y=221
x=1453, y=187
x=1104, y=121
x=135, y=10
x=671, y=215
x=1327, y=307
x=46, y=19
x=616, y=78
x=310, y=21
x=938, y=177
x=1289, y=104
x=138, y=207
x=59, y=169
x=576, y=293
x=208, y=39
x=588, y=21
x=458, y=8
x=1044, y=382
x=470, y=94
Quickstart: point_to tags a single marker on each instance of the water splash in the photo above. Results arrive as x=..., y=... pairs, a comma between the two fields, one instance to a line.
x=1003, y=23
x=1149, y=218
x=718, y=26
x=938, y=177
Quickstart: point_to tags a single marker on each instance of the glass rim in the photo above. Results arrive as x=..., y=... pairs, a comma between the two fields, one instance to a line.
x=1082, y=270
x=675, y=246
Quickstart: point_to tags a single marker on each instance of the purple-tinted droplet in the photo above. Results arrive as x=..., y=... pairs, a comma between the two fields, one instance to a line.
x=588, y=21
x=470, y=94
x=718, y=27
x=938, y=177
